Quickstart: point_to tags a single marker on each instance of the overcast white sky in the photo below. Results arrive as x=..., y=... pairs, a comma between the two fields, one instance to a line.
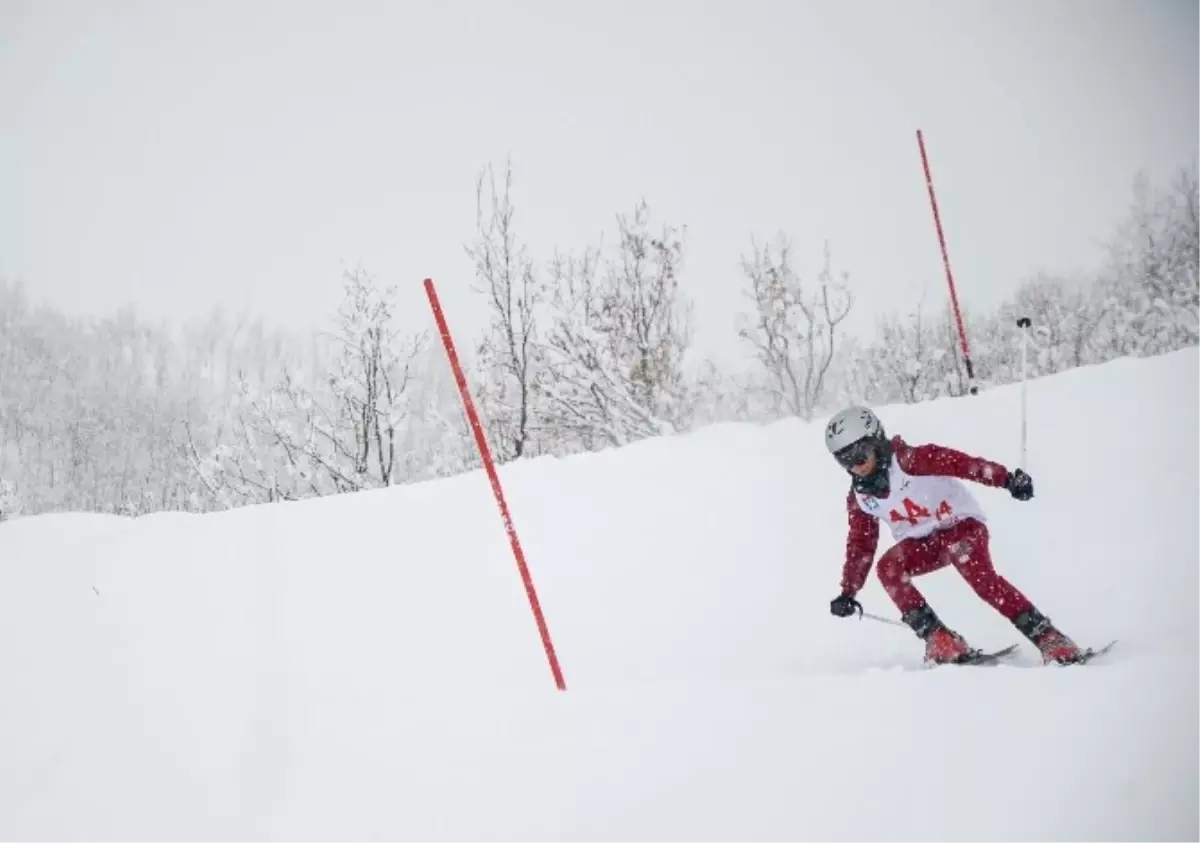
x=178, y=155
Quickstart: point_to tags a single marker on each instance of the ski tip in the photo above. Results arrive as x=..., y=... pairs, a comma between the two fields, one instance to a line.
x=1090, y=653
x=1085, y=655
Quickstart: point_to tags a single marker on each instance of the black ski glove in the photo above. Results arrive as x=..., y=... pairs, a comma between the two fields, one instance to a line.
x=844, y=605
x=1020, y=485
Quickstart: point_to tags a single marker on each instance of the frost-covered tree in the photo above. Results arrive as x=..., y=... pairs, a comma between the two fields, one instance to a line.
x=374, y=369
x=331, y=428
x=11, y=505
x=617, y=334
x=507, y=355
x=793, y=329
x=907, y=359
x=227, y=363
x=1154, y=279
x=436, y=440
x=720, y=396
x=1144, y=301
x=119, y=414
x=1069, y=314
x=87, y=409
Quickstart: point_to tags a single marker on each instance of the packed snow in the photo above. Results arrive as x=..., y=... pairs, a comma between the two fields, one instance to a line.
x=367, y=666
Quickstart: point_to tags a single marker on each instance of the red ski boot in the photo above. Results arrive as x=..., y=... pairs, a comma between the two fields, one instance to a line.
x=942, y=645
x=1053, y=645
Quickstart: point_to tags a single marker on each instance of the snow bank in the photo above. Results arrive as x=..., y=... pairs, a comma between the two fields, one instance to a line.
x=367, y=666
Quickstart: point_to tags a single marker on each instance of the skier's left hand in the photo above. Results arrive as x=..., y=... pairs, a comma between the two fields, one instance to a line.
x=1020, y=485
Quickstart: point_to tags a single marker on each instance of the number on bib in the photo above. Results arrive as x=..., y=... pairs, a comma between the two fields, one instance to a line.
x=913, y=511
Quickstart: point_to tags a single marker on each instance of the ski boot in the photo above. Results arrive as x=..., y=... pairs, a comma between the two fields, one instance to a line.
x=1053, y=645
x=942, y=644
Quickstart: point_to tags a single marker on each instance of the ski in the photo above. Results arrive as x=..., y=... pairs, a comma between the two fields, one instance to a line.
x=976, y=658
x=979, y=657
x=1087, y=655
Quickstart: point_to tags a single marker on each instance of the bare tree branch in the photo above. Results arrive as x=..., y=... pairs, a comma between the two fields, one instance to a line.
x=793, y=333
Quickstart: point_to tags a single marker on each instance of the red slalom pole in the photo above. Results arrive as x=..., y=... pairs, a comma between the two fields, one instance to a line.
x=486, y=454
x=937, y=221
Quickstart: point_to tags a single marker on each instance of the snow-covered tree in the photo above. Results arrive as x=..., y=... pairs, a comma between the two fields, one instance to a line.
x=615, y=342
x=119, y=414
x=436, y=440
x=507, y=355
x=793, y=329
x=328, y=429
x=11, y=505
x=1154, y=279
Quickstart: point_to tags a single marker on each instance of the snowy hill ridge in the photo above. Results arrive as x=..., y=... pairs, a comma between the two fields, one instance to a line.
x=367, y=667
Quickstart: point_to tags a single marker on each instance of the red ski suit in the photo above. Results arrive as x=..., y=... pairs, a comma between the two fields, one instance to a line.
x=963, y=545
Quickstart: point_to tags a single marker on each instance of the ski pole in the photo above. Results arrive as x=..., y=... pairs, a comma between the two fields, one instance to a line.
x=882, y=619
x=1023, y=323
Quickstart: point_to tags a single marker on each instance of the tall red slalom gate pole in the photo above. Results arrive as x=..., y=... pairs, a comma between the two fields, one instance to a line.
x=486, y=454
x=937, y=221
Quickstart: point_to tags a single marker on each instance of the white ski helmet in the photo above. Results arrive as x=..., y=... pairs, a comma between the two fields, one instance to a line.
x=849, y=426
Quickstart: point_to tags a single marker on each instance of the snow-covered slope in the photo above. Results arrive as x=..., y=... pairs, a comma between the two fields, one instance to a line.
x=367, y=666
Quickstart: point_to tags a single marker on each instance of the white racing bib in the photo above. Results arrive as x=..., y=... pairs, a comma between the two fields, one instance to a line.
x=917, y=505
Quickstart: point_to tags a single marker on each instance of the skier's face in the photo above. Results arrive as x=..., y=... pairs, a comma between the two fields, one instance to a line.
x=865, y=468
x=858, y=458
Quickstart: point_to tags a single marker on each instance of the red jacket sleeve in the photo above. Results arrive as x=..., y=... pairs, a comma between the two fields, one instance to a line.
x=861, y=543
x=947, y=462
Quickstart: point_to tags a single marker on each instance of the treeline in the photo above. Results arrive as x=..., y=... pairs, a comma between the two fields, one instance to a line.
x=586, y=350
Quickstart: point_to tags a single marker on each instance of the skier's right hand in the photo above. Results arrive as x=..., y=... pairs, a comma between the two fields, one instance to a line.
x=844, y=605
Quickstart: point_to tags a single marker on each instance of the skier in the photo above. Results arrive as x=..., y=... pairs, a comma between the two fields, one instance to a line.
x=935, y=520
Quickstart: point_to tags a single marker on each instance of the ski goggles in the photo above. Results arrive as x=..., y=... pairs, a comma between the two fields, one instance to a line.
x=854, y=454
